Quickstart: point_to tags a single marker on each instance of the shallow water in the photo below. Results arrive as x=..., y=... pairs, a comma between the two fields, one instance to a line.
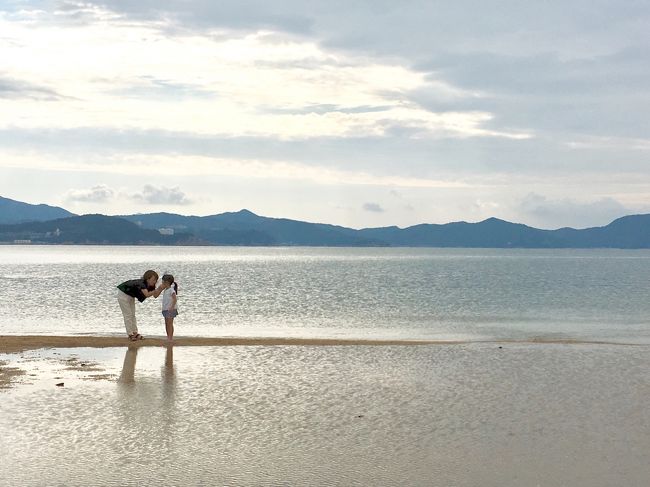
x=462, y=415
x=335, y=293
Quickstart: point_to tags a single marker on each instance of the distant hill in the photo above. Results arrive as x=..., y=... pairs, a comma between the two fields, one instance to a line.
x=91, y=229
x=246, y=228
x=12, y=211
x=488, y=233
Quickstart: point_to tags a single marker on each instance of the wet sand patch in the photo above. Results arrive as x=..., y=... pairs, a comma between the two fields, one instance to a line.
x=8, y=374
x=49, y=368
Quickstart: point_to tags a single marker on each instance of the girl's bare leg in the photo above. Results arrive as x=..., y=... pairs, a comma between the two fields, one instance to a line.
x=169, y=328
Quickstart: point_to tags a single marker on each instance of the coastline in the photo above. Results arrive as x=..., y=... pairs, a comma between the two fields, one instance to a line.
x=19, y=343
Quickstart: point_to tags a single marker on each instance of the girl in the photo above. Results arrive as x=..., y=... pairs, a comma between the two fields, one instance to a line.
x=169, y=308
x=136, y=288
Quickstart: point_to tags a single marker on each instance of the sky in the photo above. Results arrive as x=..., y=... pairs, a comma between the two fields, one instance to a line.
x=359, y=113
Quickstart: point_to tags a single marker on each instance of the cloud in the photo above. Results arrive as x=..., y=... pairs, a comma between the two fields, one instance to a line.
x=546, y=93
x=97, y=194
x=567, y=212
x=373, y=208
x=12, y=88
x=231, y=84
x=148, y=87
x=516, y=98
x=162, y=196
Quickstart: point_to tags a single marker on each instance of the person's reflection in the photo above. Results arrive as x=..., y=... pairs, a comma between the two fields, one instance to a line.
x=146, y=388
x=128, y=369
x=168, y=373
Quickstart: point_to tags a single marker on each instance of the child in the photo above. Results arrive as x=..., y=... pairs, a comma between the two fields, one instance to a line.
x=127, y=293
x=169, y=308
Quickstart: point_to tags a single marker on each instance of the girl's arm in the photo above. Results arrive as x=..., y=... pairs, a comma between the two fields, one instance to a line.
x=172, y=304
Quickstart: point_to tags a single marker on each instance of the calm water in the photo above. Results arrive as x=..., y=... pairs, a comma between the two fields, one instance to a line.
x=441, y=415
x=332, y=292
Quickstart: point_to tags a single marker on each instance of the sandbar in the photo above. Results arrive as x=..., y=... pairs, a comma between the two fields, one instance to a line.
x=18, y=343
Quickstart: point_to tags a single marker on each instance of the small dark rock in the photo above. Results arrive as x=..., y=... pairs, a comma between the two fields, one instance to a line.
x=360, y=416
x=59, y=384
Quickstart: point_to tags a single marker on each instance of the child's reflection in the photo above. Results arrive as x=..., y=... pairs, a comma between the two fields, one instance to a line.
x=168, y=372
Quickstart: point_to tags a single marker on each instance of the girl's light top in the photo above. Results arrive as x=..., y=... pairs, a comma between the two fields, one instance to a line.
x=167, y=298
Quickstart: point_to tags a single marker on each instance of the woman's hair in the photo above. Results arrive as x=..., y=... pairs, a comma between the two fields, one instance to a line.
x=148, y=275
x=170, y=279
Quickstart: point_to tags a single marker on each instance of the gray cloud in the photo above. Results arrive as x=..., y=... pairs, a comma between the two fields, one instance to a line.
x=574, y=74
x=373, y=208
x=162, y=196
x=392, y=155
x=606, y=94
x=325, y=108
x=548, y=67
x=205, y=14
x=97, y=194
x=15, y=88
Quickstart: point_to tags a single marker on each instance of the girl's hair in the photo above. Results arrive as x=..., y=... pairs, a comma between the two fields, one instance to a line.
x=170, y=279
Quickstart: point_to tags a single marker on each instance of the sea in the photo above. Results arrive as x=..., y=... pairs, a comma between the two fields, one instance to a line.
x=359, y=293
x=546, y=382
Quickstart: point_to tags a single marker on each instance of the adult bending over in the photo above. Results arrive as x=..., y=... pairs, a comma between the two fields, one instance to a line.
x=127, y=293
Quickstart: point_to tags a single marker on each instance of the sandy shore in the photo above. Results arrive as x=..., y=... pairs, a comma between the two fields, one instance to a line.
x=18, y=343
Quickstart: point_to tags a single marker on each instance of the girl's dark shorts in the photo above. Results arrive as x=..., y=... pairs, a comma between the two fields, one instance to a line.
x=170, y=314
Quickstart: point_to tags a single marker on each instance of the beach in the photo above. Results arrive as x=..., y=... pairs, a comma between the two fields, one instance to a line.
x=285, y=412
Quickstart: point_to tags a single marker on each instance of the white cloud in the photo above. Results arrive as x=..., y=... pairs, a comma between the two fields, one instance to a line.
x=162, y=196
x=214, y=84
x=97, y=194
x=196, y=166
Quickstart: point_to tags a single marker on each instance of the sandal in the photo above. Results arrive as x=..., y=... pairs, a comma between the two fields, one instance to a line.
x=135, y=337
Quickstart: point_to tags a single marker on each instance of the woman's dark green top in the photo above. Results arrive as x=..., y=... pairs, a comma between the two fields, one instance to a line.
x=134, y=288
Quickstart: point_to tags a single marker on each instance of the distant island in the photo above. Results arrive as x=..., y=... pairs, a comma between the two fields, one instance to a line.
x=23, y=223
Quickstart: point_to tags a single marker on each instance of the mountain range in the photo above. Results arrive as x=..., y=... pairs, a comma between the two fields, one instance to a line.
x=46, y=224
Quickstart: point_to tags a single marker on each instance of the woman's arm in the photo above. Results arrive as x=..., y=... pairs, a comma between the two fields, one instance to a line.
x=155, y=293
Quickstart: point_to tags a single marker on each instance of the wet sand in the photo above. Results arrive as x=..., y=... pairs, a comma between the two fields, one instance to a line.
x=466, y=414
x=7, y=374
x=19, y=343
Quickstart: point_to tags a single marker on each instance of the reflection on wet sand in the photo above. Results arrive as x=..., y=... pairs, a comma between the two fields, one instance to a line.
x=168, y=368
x=168, y=374
x=127, y=376
x=479, y=414
x=146, y=404
x=128, y=368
